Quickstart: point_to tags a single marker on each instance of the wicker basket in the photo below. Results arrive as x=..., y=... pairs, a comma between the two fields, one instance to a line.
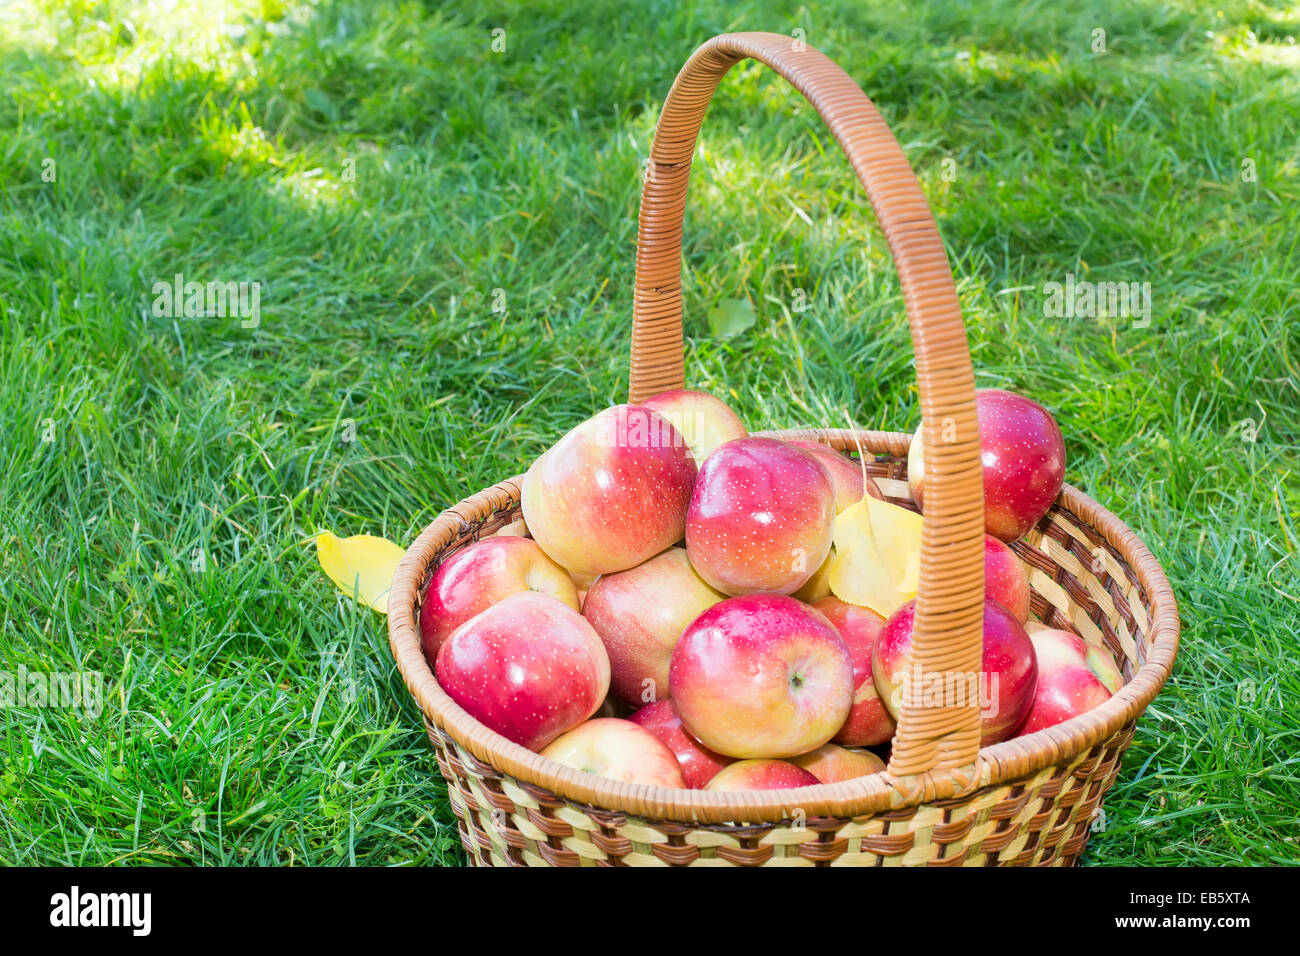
x=942, y=801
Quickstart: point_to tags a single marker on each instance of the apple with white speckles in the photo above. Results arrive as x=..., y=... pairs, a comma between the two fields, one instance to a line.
x=760, y=517
x=617, y=749
x=529, y=667
x=869, y=722
x=704, y=420
x=1073, y=678
x=761, y=774
x=640, y=614
x=611, y=493
x=481, y=574
x=850, y=480
x=1023, y=455
x=699, y=764
x=762, y=675
x=1005, y=580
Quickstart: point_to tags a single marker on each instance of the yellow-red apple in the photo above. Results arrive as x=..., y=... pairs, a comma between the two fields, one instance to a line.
x=1073, y=678
x=831, y=764
x=704, y=421
x=699, y=764
x=640, y=614
x=762, y=675
x=760, y=517
x=847, y=475
x=617, y=749
x=481, y=574
x=1023, y=455
x=1005, y=580
x=611, y=493
x=869, y=722
x=1003, y=689
x=529, y=667
x=761, y=774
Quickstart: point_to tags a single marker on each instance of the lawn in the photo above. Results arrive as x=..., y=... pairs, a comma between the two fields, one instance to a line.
x=442, y=220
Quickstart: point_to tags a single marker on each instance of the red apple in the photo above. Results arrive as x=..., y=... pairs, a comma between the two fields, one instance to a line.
x=1073, y=678
x=1023, y=455
x=640, y=614
x=762, y=676
x=611, y=493
x=847, y=475
x=761, y=775
x=699, y=764
x=481, y=574
x=760, y=517
x=529, y=667
x=1003, y=689
x=869, y=722
x=618, y=749
x=831, y=764
x=704, y=421
x=1005, y=580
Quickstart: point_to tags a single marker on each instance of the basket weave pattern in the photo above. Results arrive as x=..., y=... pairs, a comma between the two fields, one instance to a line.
x=1042, y=818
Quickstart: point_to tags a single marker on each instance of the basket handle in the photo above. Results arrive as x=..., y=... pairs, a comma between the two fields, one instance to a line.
x=939, y=743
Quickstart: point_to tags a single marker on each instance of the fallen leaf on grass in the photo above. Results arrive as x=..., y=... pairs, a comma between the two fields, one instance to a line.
x=362, y=566
x=731, y=317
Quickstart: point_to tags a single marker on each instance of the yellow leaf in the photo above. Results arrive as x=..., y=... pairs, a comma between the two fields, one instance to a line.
x=362, y=566
x=877, y=555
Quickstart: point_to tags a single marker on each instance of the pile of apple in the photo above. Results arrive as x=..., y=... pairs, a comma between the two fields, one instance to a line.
x=663, y=614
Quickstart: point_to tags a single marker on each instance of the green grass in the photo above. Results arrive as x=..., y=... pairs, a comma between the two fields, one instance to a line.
x=252, y=715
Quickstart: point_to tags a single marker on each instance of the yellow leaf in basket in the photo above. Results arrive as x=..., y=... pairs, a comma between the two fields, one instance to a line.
x=877, y=555
x=361, y=566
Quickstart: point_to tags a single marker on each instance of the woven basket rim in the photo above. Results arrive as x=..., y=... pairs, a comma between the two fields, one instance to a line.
x=996, y=764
